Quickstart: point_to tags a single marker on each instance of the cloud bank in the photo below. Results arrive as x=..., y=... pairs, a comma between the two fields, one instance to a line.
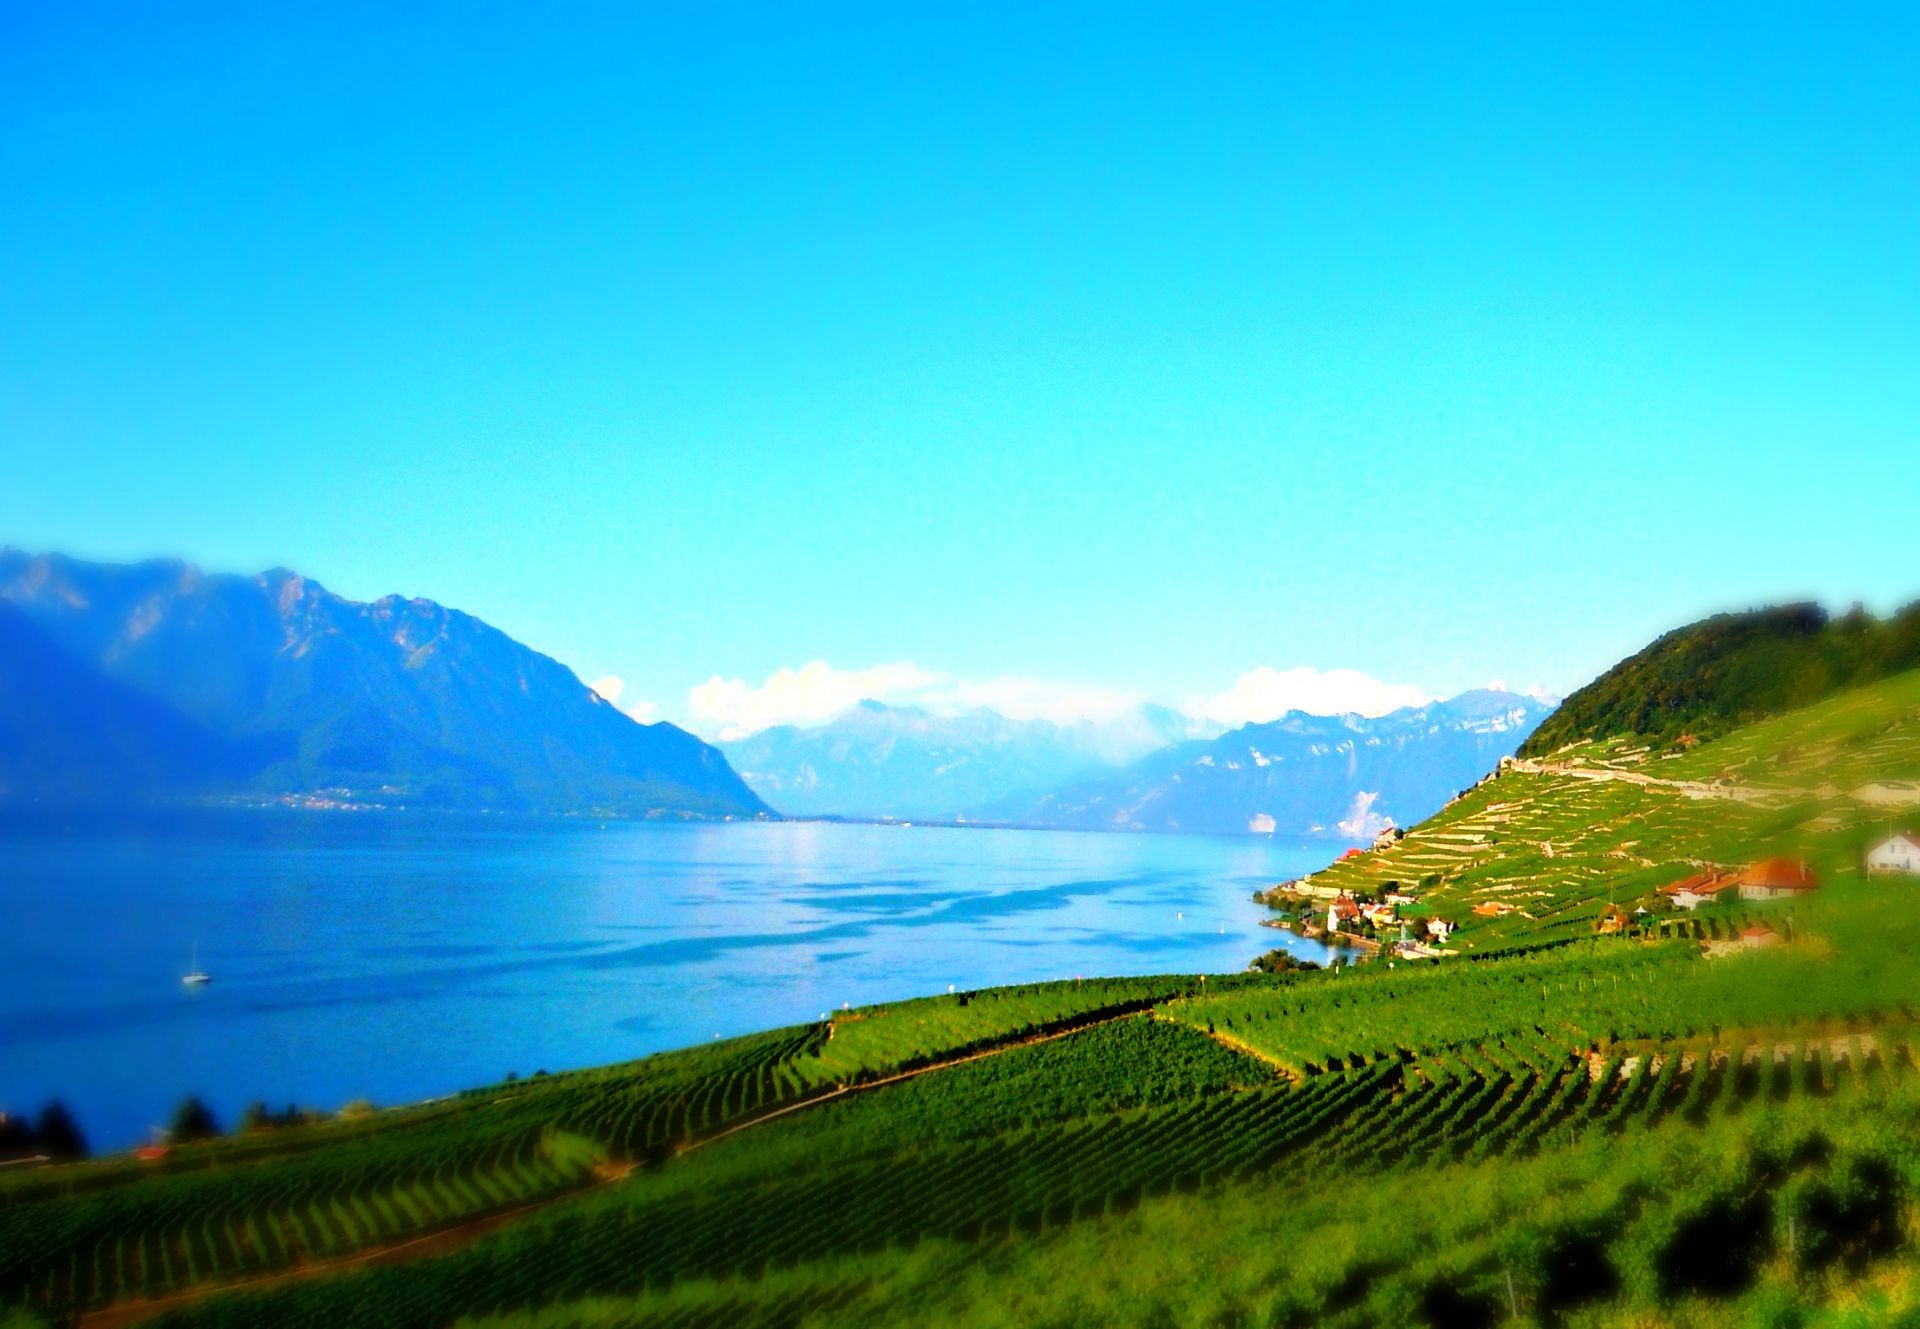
x=816, y=692
x=1267, y=693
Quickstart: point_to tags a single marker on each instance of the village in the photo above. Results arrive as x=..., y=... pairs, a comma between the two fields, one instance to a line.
x=1394, y=921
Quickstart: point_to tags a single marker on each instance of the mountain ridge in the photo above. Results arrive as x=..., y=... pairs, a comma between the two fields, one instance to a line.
x=398, y=701
x=1348, y=776
x=879, y=760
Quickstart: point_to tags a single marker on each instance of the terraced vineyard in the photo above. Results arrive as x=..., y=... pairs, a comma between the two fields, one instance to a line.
x=887, y=1174
x=1550, y=1127
x=1552, y=849
x=90, y=1235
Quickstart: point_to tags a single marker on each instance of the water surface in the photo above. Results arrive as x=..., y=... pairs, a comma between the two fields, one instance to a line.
x=395, y=958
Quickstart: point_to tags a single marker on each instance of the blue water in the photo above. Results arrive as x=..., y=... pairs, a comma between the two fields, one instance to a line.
x=396, y=959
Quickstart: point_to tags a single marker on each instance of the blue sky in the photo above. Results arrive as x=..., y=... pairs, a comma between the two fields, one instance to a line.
x=1101, y=351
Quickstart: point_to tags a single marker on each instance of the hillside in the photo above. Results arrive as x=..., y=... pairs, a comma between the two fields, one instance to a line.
x=903, y=762
x=1551, y=1125
x=1343, y=776
x=68, y=733
x=1710, y=677
x=273, y=687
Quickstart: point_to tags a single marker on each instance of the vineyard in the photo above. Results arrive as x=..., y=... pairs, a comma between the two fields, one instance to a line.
x=1546, y=1127
x=90, y=1235
x=883, y=1175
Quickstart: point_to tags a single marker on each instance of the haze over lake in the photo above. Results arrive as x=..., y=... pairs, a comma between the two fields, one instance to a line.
x=398, y=958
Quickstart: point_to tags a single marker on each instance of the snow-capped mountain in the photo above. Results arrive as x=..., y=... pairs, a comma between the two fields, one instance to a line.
x=1344, y=776
x=875, y=760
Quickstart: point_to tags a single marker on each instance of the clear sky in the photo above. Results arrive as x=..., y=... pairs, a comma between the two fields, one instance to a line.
x=1113, y=347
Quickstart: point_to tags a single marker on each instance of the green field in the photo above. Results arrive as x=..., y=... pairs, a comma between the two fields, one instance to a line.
x=1549, y=1126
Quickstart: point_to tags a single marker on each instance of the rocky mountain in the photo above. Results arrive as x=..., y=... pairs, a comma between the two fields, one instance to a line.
x=875, y=760
x=158, y=679
x=1344, y=776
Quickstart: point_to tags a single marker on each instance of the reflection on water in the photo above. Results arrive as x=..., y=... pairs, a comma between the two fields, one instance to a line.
x=398, y=958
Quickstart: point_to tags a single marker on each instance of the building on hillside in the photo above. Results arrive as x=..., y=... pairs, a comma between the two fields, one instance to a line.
x=1756, y=935
x=1777, y=879
x=1612, y=919
x=1900, y=853
x=1342, y=912
x=1351, y=853
x=1402, y=897
x=1439, y=929
x=1495, y=909
x=1701, y=888
x=1380, y=915
x=1388, y=838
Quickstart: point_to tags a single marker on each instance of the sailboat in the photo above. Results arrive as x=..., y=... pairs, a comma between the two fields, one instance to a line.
x=195, y=975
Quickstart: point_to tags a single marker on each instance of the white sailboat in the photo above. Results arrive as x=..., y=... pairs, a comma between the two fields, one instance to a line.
x=195, y=975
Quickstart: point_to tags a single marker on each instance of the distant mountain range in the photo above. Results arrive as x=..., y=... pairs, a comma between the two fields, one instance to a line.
x=875, y=760
x=1341, y=775
x=156, y=680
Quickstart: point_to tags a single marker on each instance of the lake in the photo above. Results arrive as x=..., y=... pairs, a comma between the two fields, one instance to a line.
x=397, y=958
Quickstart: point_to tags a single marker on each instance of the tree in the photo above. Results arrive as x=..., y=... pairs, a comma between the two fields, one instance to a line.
x=58, y=1134
x=193, y=1120
x=16, y=1137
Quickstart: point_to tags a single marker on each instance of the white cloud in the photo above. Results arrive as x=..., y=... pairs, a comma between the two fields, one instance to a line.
x=1267, y=693
x=816, y=692
x=1361, y=821
x=1040, y=699
x=610, y=689
x=809, y=695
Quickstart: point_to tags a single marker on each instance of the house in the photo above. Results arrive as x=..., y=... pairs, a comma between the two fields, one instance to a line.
x=1901, y=853
x=1439, y=929
x=1388, y=838
x=1401, y=897
x=1380, y=915
x=1341, y=912
x=1777, y=879
x=1351, y=853
x=1701, y=888
x=1613, y=919
x=1759, y=934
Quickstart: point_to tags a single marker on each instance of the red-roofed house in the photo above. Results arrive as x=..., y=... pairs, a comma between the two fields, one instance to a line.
x=1701, y=888
x=1759, y=934
x=1777, y=879
x=1341, y=912
x=1899, y=854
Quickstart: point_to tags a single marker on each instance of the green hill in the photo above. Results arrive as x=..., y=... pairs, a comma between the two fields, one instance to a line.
x=1550, y=1125
x=1711, y=677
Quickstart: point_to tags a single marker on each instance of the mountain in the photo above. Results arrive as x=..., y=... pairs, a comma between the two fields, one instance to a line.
x=157, y=678
x=68, y=732
x=1711, y=677
x=1342, y=775
x=875, y=760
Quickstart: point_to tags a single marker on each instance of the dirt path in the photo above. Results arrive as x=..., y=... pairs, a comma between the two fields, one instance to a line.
x=1604, y=774
x=446, y=1240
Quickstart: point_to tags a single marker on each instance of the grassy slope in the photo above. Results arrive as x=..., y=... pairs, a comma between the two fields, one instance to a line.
x=1711, y=1141
x=1561, y=848
x=1712, y=677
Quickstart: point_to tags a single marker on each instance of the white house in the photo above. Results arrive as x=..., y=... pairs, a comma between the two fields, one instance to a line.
x=1899, y=854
